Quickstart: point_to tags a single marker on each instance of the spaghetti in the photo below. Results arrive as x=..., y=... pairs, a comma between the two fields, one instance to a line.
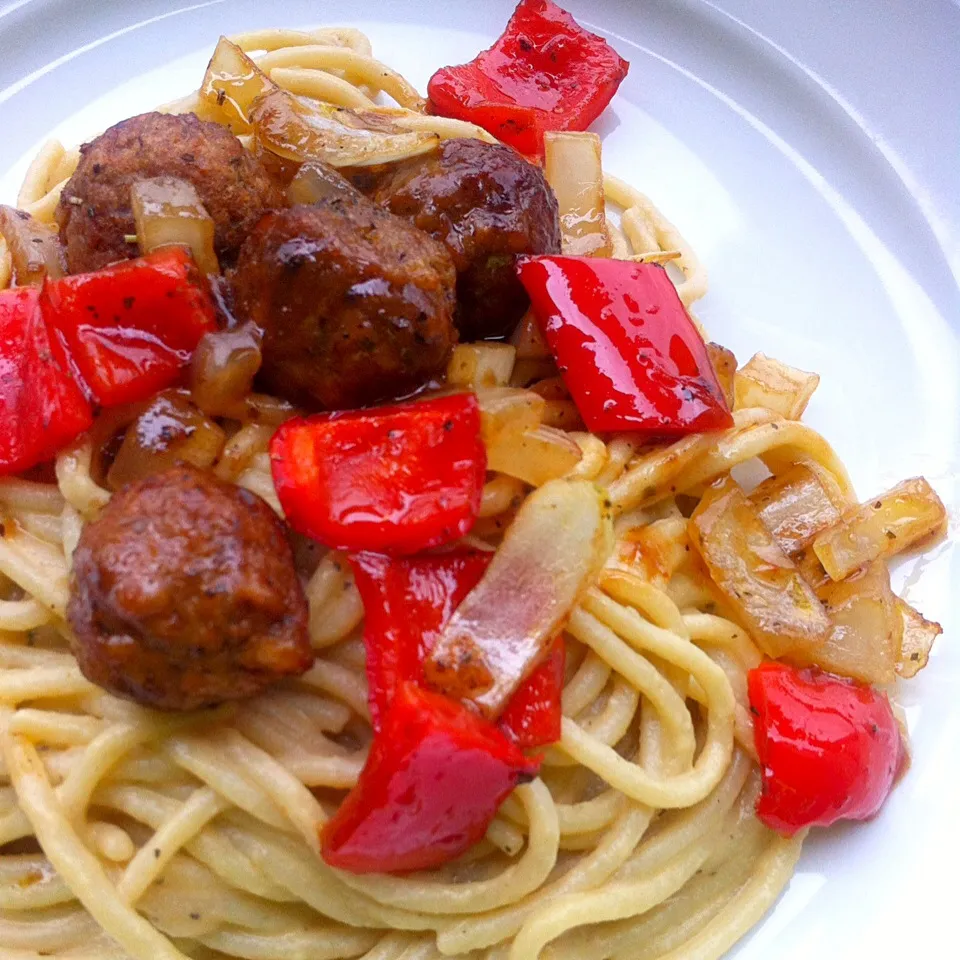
x=125, y=833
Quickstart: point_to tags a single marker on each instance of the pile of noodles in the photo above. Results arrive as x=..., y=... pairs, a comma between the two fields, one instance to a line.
x=130, y=833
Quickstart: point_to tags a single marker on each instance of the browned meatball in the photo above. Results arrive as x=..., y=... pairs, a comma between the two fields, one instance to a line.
x=94, y=211
x=185, y=595
x=487, y=204
x=355, y=305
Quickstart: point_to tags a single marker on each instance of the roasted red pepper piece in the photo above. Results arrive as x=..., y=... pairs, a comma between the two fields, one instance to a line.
x=407, y=601
x=829, y=748
x=626, y=347
x=393, y=479
x=132, y=327
x=534, y=715
x=434, y=780
x=545, y=73
x=42, y=408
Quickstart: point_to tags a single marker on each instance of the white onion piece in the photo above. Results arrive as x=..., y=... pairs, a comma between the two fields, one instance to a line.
x=299, y=129
x=867, y=628
x=550, y=555
x=918, y=637
x=536, y=456
x=222, y=370
x=508, y=412
x=572, y=167
x=725, y=366
x=34, y=247
x=759, y=581
x=231, y=84
x=479, y=365
x=169, y=431
x=315, y=182
x=168, y=212
x=797, y=504
x=881, y=527
x=765, y=382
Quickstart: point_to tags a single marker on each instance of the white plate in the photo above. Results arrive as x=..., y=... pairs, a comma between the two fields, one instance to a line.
x=808, y=150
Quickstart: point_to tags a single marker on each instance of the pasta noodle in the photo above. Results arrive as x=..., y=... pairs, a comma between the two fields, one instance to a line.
x=196, y=836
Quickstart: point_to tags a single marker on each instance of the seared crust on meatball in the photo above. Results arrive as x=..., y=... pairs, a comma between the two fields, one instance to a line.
x=185, y=594
x=94, y=211
x=355, y=305
x=487, y=204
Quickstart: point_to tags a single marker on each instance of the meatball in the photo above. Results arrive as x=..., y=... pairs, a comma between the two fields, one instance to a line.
x=487, y=204
x=355, y=305
x=185, y=595
x=94, y=211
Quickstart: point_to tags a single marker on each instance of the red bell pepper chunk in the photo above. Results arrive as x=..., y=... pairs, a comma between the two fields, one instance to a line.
x=545, y=73
x=534, y=715
x=407, y=602
x=829, y=748
x=41, y=406
x=132, y=327
x=625, y=346
x=435, y=778
x=393, y=479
